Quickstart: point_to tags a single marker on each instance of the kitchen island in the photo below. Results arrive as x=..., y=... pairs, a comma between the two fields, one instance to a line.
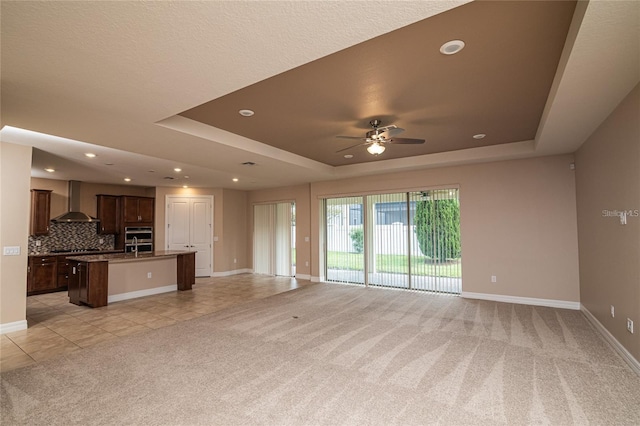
x=96, y=280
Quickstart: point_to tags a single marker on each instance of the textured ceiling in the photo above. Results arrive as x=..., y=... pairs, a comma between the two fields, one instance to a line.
x=112, y=77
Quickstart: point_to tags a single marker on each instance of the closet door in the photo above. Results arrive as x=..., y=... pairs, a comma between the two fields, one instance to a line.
x=200, y=234
x=189, y=227
x=178, y=224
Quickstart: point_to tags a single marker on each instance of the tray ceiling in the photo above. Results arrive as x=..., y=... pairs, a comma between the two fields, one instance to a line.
x=497, y=85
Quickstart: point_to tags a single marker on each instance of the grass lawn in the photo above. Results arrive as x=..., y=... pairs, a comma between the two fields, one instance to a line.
x=395, y=264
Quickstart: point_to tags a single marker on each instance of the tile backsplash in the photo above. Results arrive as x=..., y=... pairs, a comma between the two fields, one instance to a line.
x=74, y=235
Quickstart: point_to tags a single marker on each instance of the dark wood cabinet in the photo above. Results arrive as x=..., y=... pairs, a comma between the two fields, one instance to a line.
x=138, y=210
x=186, y=270
x=40, y=211
x=42, y=274
x=62, y=266
x=88, y=283
x=108, y=213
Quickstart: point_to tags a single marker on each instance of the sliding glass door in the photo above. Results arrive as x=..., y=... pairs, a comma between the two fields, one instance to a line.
x=389, y=246
x=345, y=240
x=404, y=240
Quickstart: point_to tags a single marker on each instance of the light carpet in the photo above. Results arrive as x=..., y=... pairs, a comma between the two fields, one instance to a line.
x=332, y=354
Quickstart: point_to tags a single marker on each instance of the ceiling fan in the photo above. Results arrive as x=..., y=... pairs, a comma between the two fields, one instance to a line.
x=376, y=138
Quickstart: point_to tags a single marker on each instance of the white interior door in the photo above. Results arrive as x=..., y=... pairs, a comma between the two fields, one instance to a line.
x=189, y=225
x=178, y=232
x=200, y=234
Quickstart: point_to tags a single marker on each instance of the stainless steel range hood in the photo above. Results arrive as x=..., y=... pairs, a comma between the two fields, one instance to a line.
x=74, y=214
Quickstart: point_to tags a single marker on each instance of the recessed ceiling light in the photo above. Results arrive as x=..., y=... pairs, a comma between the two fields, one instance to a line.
x=186, y=177
x=185, y=186
x=177, y=169
x=235, y=179
x=246, y=112
x=50, y=170
x=90, y=155
x=127, y=179
x=248, y=163
x=151, y=171
x=108, y=164
x=479, y=136
x=452, y=47
x=348, y=156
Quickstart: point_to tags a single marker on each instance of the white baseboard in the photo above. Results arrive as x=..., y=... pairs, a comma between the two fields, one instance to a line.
x=234, y=272
x=317, y=279
x=551, y=303
x=617, y=346
x=141, y=293
x=303, y=277
x=13, y=326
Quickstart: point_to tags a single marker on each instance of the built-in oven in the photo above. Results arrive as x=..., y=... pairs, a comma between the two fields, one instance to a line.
x=138, y=238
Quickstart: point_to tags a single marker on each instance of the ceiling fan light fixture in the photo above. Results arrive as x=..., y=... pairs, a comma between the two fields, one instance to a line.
x=452, y=47
x=375, y=148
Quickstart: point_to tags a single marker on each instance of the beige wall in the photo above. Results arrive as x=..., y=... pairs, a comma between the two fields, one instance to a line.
x=15, y=168
x=300, y=195
x=518, y=222
x=234, y=233
x=59, y=196
x=608, y=178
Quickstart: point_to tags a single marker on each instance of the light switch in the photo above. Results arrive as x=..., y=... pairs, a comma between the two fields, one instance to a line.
x=11, y=251
x=306, y=239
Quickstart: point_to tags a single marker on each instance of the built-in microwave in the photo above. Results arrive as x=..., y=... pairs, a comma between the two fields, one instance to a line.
x=138, y=237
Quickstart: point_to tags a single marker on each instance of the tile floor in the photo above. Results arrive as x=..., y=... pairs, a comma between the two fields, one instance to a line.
x=57, y=327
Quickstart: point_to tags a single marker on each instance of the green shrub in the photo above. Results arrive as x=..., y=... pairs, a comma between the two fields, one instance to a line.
x=357, y=238
x=437, y=227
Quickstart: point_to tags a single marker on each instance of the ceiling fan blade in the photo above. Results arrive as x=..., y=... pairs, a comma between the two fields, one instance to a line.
x=389, y=131
x=405, y=141
x=352, y=146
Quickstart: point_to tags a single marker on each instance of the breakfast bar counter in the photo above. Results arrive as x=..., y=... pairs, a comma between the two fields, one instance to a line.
x=98, y=279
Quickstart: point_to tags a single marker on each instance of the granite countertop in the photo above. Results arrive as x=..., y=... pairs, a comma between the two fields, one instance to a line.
x=127, y=257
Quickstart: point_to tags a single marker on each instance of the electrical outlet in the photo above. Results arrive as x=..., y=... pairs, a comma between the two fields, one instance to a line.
x=148, y=274
x=306, y=263
x=235, y=260
x=101, y=240
x=38, y=243
x=629, y=325
x=494, y=279
x=613, y=311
